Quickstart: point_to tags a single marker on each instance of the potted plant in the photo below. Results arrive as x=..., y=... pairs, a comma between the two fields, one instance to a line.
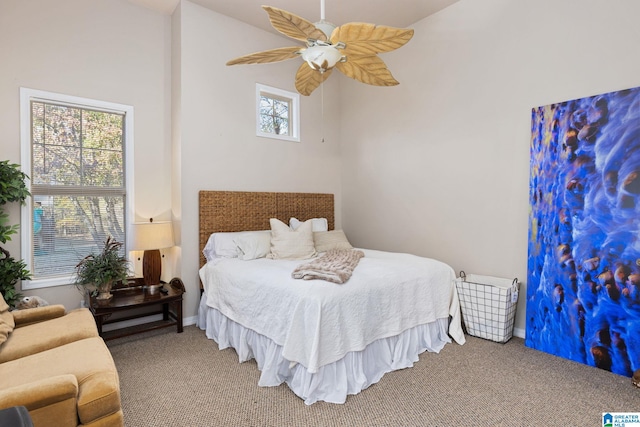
x=101, y=271
x=12, y=189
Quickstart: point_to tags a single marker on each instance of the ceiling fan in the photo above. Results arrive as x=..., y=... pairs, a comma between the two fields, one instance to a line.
x=352, y=48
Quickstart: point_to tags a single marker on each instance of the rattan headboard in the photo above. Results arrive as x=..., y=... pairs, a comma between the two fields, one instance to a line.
x=243, y=211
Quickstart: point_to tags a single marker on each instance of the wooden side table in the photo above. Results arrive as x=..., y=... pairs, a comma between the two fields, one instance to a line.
x=134, y=296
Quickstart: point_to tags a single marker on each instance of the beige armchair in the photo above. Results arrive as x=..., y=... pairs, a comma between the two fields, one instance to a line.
x=43, y=328
x=55, y=364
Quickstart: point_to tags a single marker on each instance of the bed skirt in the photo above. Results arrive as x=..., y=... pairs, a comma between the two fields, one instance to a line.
x=332, y=383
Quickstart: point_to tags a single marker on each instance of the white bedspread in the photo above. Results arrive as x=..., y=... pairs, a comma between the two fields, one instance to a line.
x=316, y=322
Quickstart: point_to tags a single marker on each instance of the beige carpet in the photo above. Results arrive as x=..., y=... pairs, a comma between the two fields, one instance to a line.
x=170, y=379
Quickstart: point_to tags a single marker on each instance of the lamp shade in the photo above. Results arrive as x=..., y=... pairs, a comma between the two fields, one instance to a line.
x=151, y=235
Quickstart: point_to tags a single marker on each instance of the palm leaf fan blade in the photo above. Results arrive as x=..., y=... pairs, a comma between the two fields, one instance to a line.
x=292, y=25
x=367, y=39
x=368, y=69
x=308, y=79
x=273, y=55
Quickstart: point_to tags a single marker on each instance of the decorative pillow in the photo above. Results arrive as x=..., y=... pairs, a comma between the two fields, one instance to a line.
x=6, y=320
x=5, y=330
x=3, y=304
x=326, y=240
x=253, y=245
x=291, y=244
x=317, y=224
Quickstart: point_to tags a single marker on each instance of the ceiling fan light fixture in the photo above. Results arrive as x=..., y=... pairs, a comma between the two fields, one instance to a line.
x=352, y=48
x=322, y=57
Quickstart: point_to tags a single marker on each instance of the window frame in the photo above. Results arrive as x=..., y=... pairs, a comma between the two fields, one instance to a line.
x=294, y=111
x=26, y=149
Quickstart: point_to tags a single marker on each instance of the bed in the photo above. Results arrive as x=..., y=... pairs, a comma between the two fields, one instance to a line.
x=324, y=340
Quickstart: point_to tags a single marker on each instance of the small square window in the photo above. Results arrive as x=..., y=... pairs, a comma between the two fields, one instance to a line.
x=277, y=113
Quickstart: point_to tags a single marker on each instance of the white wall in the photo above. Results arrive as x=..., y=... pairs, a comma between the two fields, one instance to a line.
x=218, y=146
x=439, y=166
x=108, y=50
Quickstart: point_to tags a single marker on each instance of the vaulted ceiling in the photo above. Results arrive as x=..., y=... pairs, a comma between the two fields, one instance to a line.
x=396, y=13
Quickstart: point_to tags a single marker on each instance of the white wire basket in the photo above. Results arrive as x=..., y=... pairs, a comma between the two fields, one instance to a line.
x=488, y=305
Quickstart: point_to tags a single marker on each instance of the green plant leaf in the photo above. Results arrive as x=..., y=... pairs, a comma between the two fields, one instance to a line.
x=106, y=266
x=12, y=189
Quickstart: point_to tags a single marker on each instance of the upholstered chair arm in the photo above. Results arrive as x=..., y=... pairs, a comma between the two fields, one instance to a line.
x=37, y=314
x=49, y=399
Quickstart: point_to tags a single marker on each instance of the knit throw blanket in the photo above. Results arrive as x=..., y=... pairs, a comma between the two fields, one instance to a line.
x=334, y=266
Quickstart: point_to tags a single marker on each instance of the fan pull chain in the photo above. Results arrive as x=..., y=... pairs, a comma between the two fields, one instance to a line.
x=322, y=84
x=322, y=106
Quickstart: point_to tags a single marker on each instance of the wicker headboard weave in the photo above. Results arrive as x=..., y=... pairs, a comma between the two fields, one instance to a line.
x=245, y=211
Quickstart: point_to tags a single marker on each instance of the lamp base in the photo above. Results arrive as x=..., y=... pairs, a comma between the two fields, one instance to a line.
x=152, y=270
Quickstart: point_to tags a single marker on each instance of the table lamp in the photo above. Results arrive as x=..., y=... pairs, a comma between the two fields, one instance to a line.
x=150, y=237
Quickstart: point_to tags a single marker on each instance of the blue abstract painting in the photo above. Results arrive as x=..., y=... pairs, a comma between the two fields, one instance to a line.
x=583, y=279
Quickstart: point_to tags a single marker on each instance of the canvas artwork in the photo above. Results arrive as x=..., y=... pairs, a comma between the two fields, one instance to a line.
x=583, y=287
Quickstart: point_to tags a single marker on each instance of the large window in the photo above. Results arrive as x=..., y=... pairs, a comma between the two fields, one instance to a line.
x=277, y=113
x=77, y=153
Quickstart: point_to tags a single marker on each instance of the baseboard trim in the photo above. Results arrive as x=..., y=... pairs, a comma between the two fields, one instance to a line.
x=186, y=321
x=519, y=332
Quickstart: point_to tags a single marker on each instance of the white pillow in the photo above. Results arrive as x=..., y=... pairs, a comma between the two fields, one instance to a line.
x=326, y=240
x=220, y=245
x=223, y=245
x=291, y=244
x=253, y=245
x=317, y=224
